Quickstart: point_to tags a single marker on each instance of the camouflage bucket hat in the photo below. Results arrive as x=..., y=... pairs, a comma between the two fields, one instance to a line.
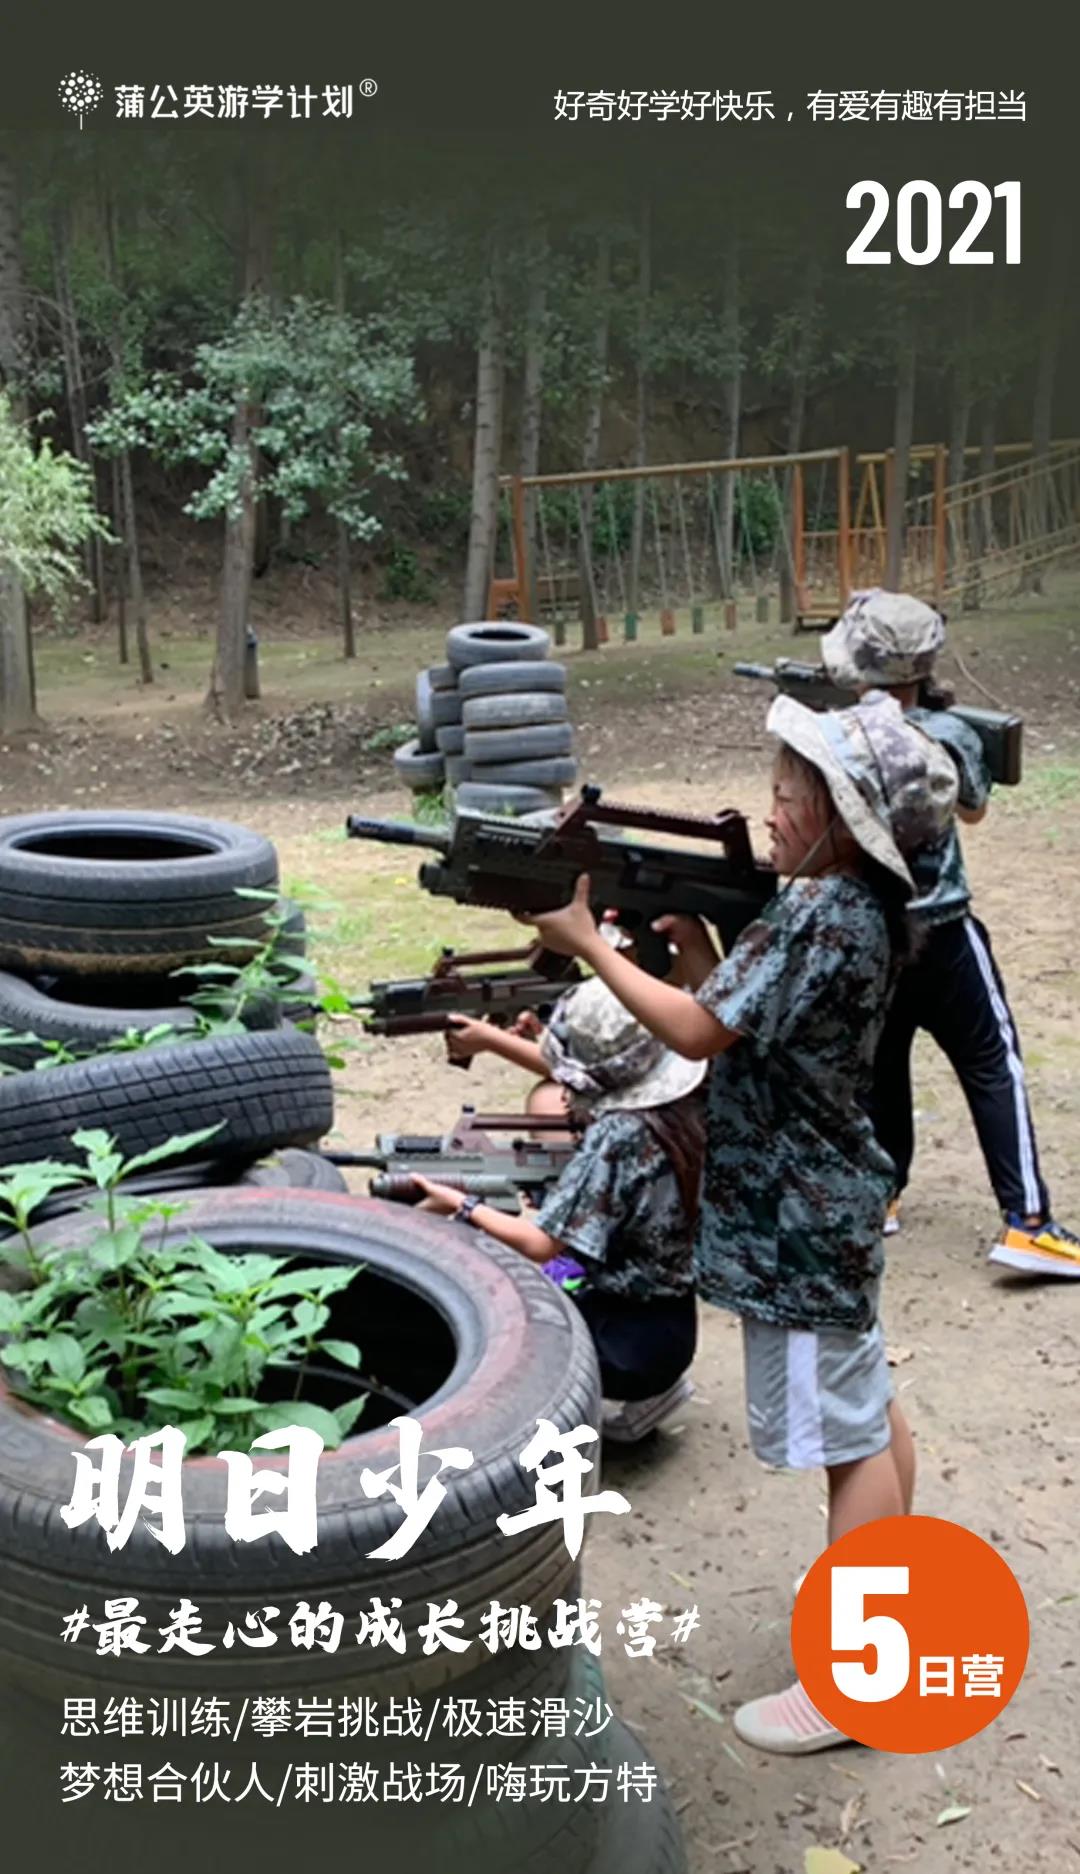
x=606, y=1060
x=894, y=788
x=883, y=638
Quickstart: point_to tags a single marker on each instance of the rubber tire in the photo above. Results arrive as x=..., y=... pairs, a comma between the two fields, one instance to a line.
x=290, y=1169
x=480, y=798
x=515, y=710
x=518, y=1351
x=41, y=887
x=293, y=1169
x=42, y=1009
x=446, y=709
x=458, y=771
x=637, y=1837
x=495, y=642
x=416, y=770
x=485, y=746
x=442, y=676
x=556, y=771
x=425, y=714
x=270, y=1089
x=33, y=1010
x=75, y=914
x=497, y=679
x=451, y=740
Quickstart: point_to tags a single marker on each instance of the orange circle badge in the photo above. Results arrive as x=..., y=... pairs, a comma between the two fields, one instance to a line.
x=910, y=1634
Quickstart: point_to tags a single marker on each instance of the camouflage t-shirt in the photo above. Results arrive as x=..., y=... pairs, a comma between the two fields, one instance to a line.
x=942, y=892
x=795, y=1182
x=618, y=1208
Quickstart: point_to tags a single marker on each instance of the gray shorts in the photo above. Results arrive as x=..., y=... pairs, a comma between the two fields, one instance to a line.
x=815, y=1398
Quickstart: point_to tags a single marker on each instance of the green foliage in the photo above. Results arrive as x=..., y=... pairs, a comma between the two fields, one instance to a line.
x=317, y=383
x=394, y=736
x=759, y=516
x=221, y=995
x=119, y=1332
x=47, y=511
x=405, y=578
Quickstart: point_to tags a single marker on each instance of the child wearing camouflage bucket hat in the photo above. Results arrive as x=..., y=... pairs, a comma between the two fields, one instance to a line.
x=795, y=1183
x=623, y=1210
x=953, y=988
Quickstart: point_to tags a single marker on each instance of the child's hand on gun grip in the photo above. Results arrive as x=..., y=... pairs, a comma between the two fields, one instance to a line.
x=570, y=932
x=465, y=1037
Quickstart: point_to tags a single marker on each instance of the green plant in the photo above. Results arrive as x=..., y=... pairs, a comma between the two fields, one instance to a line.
x=226, y=990
x=120, y=1332
x=405, y=578
x=47, y=511
x=395, y=736
x=223, y=994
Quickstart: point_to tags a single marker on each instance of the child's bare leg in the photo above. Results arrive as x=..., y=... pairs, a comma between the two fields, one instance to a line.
x=862, y=1492
x=903, y=1452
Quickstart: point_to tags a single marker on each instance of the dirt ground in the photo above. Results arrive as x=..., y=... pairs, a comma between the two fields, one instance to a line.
x=988, y=1366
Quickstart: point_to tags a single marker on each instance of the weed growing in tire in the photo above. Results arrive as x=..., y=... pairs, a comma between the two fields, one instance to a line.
x=229, y=989
x=226, y=992
x=119, y=1333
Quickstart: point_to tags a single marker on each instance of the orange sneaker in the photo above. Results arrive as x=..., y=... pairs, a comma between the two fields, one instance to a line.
x=1037, y=1249
x=892, y=1218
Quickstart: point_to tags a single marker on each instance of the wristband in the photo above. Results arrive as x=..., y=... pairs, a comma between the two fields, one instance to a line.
x=464, y=1211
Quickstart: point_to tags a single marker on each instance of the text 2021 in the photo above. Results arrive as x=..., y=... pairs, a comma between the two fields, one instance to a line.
x=919, y=223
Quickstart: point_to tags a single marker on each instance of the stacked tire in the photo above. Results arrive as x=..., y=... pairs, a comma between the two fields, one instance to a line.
x=493, y=723
x=98, y=911
x=473, y=1342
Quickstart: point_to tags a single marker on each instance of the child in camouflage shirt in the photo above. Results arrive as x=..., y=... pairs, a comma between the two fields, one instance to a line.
x=953, y=989
x=625, y=1206
x=795, y=1184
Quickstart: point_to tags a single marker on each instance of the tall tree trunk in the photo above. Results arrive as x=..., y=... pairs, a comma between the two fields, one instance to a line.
x=17, y=701
x=348, y=628
x=134, y=566
x=119, y=570
x=959, y=423
x=127, y=518
x=226, y=694
x=1042, y=412
x=487, y=441
x=641, y=439
x=75, y=379
x=590, y=452
x=532, y=404
x=800, y=375
x=729, y=441
x=903, y=429
x=980, y=518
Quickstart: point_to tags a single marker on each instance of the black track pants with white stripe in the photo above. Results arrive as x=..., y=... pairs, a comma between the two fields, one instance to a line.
x=954, y=992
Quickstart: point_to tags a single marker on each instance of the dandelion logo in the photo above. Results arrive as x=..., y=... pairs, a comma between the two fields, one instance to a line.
x=80, y=92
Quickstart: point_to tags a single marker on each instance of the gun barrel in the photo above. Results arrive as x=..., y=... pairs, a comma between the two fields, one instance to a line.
x=400, y=1186
x=761, y=671
x=397, y=833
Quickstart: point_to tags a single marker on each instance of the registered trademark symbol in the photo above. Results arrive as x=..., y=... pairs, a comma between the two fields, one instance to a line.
x=367, y=87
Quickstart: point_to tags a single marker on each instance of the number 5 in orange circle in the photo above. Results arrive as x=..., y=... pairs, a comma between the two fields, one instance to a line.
x=910, y=1634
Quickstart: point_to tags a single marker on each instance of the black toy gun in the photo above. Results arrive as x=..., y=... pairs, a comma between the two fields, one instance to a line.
x=464, y=983
x=514, y=865
x=471, y=1158
x=1001, y=734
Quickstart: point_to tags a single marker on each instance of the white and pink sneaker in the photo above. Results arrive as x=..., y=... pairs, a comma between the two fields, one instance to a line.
x=787, y=1724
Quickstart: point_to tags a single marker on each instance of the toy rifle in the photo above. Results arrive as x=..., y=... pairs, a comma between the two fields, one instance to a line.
x=514, y=865
x=1001, y=734
x=462, y=983
x=470, y=1158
